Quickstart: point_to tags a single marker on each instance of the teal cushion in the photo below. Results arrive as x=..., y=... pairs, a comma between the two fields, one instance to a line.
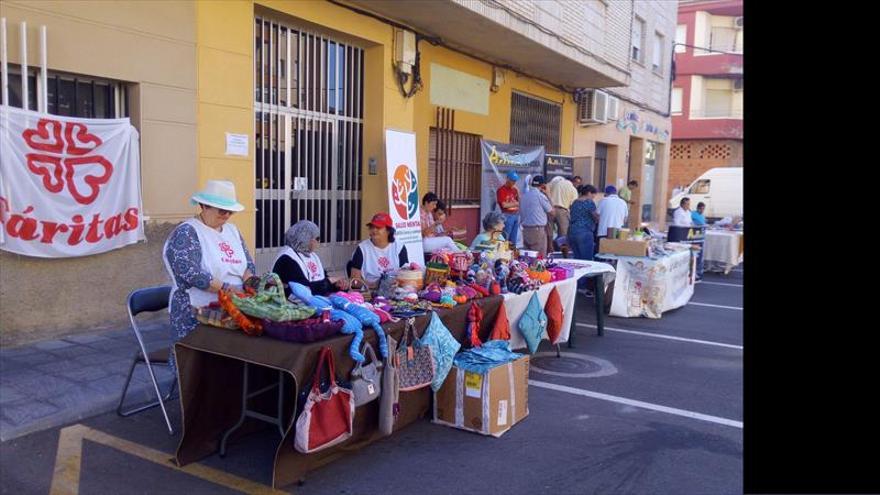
x=533, y=323
x=443, y=346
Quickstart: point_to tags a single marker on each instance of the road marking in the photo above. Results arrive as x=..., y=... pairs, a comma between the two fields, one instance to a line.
x=68, y=463
x=638, y=403
x=719, y=283
x=661, y=336
x=714, y=306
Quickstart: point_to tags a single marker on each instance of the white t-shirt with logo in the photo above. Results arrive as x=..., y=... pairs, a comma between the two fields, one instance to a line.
x=310, y=264
x=378, y=261
x=223, y=256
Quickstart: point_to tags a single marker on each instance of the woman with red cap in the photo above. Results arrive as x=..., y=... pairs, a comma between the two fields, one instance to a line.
x=378, y=254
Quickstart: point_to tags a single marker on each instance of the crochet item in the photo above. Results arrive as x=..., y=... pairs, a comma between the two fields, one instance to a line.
x=554, y=312
x=365, y=316
x=501, y=329
x=350, y=324
x=475, y=316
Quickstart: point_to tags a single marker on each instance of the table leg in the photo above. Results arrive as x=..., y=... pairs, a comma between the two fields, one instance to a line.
x=600, y=304
x=573, y=326
x=244, y=397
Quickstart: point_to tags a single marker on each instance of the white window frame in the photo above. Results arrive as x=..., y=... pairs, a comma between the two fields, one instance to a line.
x=681, y=38
x=658, y=53
x=680, y=109
x=640, y=58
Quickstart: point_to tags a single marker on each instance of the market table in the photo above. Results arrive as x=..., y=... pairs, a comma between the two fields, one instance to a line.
x=723, y=250
x=649, y=286
x=213, y=364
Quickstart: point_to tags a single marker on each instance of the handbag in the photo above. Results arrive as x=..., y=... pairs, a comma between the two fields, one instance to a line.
x=269, y=302
x=389, y=401
x=437, y=270
x=366, y=380
x=327, y=418
x=414, y=362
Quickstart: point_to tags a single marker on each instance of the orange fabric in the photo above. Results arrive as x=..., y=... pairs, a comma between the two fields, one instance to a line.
x=501, y=329
x=553, y=309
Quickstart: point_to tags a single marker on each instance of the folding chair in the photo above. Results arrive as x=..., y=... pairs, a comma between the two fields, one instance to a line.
x=148, y=300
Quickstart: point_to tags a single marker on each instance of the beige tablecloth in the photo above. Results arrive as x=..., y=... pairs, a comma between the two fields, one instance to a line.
x=722, y=250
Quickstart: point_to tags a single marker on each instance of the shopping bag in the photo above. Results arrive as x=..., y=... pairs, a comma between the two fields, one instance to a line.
x=414, y=363
x=389, y=406
x=366, y=380
x=327, y=418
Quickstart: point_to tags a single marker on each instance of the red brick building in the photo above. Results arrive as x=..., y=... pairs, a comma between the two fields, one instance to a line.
x=707, y=93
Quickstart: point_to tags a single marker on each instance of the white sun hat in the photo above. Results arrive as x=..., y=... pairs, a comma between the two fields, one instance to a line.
x=219, y=194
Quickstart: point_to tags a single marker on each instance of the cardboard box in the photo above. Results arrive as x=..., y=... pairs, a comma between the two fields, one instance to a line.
x=623, y=248
x=489, y=403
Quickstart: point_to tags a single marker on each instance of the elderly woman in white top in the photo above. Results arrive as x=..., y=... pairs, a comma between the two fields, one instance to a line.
x=298, y=262
x=204, y=255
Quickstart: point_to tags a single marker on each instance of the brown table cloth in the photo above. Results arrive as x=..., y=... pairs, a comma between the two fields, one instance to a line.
x=210, y=364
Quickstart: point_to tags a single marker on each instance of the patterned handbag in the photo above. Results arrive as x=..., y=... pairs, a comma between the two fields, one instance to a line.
x=358, y=285
x=437, y=270
x=413, y=362
x=269, y=302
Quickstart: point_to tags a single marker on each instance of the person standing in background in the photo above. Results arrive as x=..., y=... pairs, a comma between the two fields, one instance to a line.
x=536, y=211
x=682, y=215
x=508, y=201
x=613, y=212
x=697, y=216
x=562, y=194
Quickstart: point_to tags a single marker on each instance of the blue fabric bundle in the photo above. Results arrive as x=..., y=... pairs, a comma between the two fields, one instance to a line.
x=350, y=324
x=481, y=359
x=366, y=317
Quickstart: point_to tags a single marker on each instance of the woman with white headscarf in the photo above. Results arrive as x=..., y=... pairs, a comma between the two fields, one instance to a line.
x=298, y=262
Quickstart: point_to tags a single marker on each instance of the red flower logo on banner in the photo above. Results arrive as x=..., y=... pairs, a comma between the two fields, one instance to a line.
x=62, y=149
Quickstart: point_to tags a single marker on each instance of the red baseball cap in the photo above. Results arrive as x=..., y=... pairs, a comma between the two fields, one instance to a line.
x=381, y=220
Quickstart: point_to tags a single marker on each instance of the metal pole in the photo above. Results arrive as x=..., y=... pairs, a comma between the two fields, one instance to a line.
x=44, y=93
x=5, y=80
x=24, y=67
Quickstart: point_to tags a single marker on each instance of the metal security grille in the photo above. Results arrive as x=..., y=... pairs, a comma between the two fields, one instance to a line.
x=308, y=104
x=453, y=161
x=535, y=122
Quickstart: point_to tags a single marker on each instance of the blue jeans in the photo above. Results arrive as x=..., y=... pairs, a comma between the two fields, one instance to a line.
x=581, y=242
x=511, y=227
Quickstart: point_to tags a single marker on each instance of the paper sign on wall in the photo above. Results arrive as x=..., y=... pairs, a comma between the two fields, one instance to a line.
x=236, y=144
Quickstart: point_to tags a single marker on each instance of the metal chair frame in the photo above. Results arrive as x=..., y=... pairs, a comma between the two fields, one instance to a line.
x=143, y=357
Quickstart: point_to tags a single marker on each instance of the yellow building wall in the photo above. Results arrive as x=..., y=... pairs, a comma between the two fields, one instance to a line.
x=225, y=93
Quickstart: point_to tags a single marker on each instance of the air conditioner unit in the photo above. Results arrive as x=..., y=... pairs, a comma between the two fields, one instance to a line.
x=738, y=22
x=593, y=107
x=737, y=84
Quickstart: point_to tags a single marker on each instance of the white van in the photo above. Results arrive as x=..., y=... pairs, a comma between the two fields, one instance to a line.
x=720, y=188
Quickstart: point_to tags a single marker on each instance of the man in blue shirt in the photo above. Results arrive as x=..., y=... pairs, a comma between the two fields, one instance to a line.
x=697, y=216
x=535, y=210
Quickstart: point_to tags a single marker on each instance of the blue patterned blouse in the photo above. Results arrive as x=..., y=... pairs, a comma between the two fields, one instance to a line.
x=184, y=255
x=581, y=218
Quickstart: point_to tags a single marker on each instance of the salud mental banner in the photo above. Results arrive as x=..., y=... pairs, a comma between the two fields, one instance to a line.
x=500, y=158
x=68, y=186
x=403, y=191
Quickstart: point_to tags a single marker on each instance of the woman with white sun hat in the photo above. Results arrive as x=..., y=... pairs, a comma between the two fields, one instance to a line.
x=204, y=255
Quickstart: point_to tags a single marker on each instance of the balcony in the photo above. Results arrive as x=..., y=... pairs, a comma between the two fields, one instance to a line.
x=505, y=38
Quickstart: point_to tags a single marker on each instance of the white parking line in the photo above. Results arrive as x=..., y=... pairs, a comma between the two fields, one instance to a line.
x=714, y=306
x=638, y=403
x=661, y=336
x=719, y=283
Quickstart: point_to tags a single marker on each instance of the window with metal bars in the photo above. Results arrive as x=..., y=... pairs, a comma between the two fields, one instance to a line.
x=535, y=122
x=454, y=165
x=71, y=95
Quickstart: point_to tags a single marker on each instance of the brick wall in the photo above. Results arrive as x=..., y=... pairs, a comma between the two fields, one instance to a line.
x=689, y=159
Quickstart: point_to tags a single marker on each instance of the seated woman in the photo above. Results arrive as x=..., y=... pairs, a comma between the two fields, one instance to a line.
x=493, y=228
x=432, y=228
x=298, y=262
x=378, y=254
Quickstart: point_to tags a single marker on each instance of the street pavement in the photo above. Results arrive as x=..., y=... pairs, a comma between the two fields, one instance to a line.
x=652, y=407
